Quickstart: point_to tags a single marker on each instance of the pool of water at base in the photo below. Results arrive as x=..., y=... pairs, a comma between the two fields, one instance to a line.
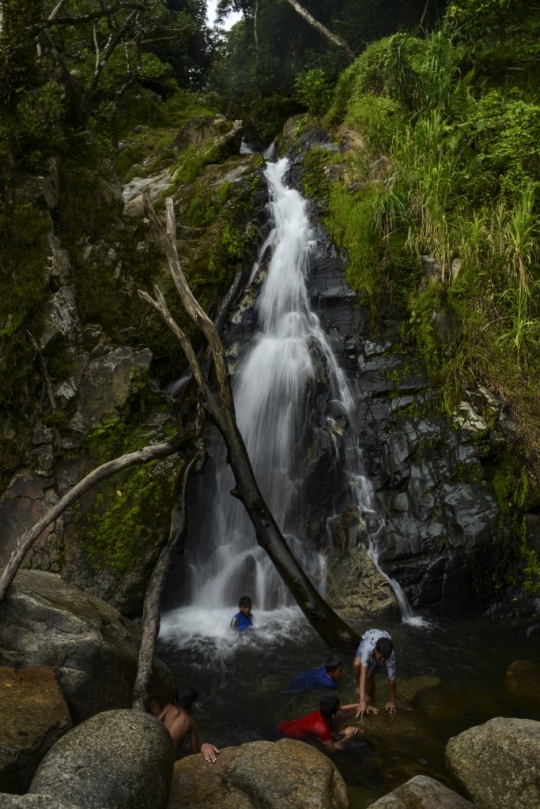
x=450, y=676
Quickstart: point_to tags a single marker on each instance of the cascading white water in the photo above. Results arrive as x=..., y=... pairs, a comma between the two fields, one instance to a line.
x=270, y=391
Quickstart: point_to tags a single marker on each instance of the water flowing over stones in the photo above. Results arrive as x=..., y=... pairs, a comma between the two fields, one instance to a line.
x=296, y=413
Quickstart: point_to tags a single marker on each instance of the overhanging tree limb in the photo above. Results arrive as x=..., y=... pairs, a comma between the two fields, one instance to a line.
x=106, y=470
x=220, y=405
x=322, y=29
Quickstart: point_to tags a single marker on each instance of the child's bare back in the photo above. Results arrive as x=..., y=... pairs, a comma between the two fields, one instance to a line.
x=179, y=723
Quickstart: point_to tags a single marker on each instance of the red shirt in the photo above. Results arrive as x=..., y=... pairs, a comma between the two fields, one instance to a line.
x=311, y=725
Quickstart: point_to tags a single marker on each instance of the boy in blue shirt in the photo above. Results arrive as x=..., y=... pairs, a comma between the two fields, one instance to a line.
x=243, y=620
x=323, y=677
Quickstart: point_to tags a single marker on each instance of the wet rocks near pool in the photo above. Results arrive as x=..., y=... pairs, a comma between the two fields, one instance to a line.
x=91, y=647
x=498, y=763
x=33, y=715
x=116, y=760
x=422, y=792
x=522, y=681
x=281, y=775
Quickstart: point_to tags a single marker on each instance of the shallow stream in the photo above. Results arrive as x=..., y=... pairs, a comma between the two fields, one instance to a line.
x=450, y=676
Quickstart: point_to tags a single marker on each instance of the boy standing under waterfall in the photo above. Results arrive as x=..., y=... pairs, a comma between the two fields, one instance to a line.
x=376, y=649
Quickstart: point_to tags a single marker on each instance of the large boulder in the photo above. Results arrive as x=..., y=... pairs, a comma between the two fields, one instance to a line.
x=93, y=649
x=116, y=760
x=422, y=792
x=33, y=715
x=32, y=802
x=498, y=763
x=281, y=775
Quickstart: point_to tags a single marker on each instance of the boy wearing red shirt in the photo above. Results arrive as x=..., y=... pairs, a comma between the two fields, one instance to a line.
x=317, y=724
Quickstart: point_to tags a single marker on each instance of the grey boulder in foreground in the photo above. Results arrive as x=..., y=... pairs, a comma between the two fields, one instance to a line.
x=33, y=802
x=422, y=792
x=116, y=760
x=92, y=648
x=498, y=763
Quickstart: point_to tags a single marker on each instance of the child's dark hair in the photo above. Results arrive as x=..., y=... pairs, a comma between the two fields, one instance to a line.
x=385, y=647
x=332, y=664
x=245, y=601
x=329, y=706
x=185, y=697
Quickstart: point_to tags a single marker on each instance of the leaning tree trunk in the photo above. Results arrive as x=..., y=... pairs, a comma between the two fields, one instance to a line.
x=322, y=29
x=220, y=405
x=152, y=600
x=106, y=470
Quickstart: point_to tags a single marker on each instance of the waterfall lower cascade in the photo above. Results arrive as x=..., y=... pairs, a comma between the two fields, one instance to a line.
x=270, y=394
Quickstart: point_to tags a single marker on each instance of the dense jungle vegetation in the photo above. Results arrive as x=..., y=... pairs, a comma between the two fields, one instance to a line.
x=447, y=93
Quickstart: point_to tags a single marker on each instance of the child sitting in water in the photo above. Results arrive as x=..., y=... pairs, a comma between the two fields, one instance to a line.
x=318, y=725
x=323, y=677
x=243, y=620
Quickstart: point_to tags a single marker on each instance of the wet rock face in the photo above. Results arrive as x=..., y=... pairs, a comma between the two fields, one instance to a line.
x=116, y=760
x=421, y=792
x=93, y=650
x=498, y=764
x=437, y=521
x=281, y=775
x=33, y=715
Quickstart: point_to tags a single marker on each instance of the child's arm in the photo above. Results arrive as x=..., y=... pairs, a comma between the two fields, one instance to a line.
x=391, y=706
x=360, y=672
x=348, y=733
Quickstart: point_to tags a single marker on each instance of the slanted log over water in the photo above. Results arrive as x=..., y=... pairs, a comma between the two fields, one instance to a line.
x=220, y=406
x=152, y=601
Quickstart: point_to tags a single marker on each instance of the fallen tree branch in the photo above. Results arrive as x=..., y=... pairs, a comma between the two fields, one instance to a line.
x=333, y=629
x=152, y=599
x=322, y=29
x=106, y=470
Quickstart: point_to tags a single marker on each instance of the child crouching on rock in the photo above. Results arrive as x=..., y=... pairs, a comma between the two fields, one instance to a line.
x=176, y=716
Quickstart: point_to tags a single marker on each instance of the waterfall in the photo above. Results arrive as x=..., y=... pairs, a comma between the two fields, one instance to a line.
x=270, y=389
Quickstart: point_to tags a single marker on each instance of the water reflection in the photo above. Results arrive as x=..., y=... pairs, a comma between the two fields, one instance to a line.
x=450, y=677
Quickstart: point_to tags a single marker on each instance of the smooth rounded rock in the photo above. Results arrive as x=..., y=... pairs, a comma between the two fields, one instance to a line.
x=33, y=715
x=116, y=760
x=422, y=792
x=33, y=802
x=277, y=775
x=498, y=763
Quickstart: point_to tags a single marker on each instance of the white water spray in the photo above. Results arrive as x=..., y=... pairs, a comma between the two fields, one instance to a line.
x=270, y=394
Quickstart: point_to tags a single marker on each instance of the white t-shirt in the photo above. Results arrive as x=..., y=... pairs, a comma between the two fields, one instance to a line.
x=366, y=651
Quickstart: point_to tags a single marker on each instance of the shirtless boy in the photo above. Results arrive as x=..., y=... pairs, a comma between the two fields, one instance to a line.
x=178, y=720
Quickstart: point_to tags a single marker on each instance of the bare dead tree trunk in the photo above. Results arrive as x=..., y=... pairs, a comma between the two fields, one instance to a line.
x=322, y=29
x=152, y=600
x=220, y=405
x=106, y=470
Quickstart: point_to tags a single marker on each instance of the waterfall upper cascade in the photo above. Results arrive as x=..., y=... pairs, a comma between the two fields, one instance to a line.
x=271, y=393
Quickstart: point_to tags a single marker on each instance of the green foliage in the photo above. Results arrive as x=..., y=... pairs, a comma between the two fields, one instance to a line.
x=23, y=260
x=351, y=223
x=313, y=90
